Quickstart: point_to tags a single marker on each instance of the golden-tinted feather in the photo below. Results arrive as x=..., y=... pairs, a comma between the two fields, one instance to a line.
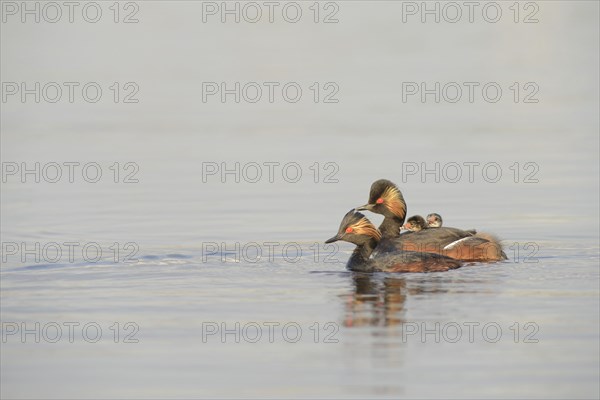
x=364, y=227
x=393, y=200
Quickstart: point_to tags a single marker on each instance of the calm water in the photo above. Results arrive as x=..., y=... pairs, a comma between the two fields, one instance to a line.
x=208, y=287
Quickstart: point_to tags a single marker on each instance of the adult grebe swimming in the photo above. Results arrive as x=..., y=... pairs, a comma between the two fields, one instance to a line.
x=356, y=228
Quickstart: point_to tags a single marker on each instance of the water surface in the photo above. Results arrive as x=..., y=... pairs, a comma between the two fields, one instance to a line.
x=527, y=327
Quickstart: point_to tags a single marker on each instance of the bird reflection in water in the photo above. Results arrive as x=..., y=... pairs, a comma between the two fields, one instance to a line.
x=380, y=300
x=375, y=302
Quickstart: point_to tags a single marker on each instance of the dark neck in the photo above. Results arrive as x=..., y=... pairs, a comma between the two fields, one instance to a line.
x=359, y=260
x=390, y=227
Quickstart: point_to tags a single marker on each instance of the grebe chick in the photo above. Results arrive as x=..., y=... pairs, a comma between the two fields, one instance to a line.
x=385, y=198
x=434, y=220
x=356, y=228
x=415, y=224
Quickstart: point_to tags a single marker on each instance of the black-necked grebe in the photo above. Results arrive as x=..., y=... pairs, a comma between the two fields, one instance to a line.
x=385, y=198
x=356, y=228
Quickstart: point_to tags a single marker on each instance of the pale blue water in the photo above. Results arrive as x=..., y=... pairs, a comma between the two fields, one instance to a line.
x=527, y=327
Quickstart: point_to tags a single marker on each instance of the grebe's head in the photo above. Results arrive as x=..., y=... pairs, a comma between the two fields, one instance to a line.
x=385, y=198
x=415, y=223
x=356, y=228
x=434, y=220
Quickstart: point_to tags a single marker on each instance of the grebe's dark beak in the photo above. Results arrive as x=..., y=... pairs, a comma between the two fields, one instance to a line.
x=333, y=239
x=368, y=207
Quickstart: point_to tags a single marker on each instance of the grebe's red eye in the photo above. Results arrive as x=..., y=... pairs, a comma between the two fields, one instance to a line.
x=349, y=229
x=379, y=200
